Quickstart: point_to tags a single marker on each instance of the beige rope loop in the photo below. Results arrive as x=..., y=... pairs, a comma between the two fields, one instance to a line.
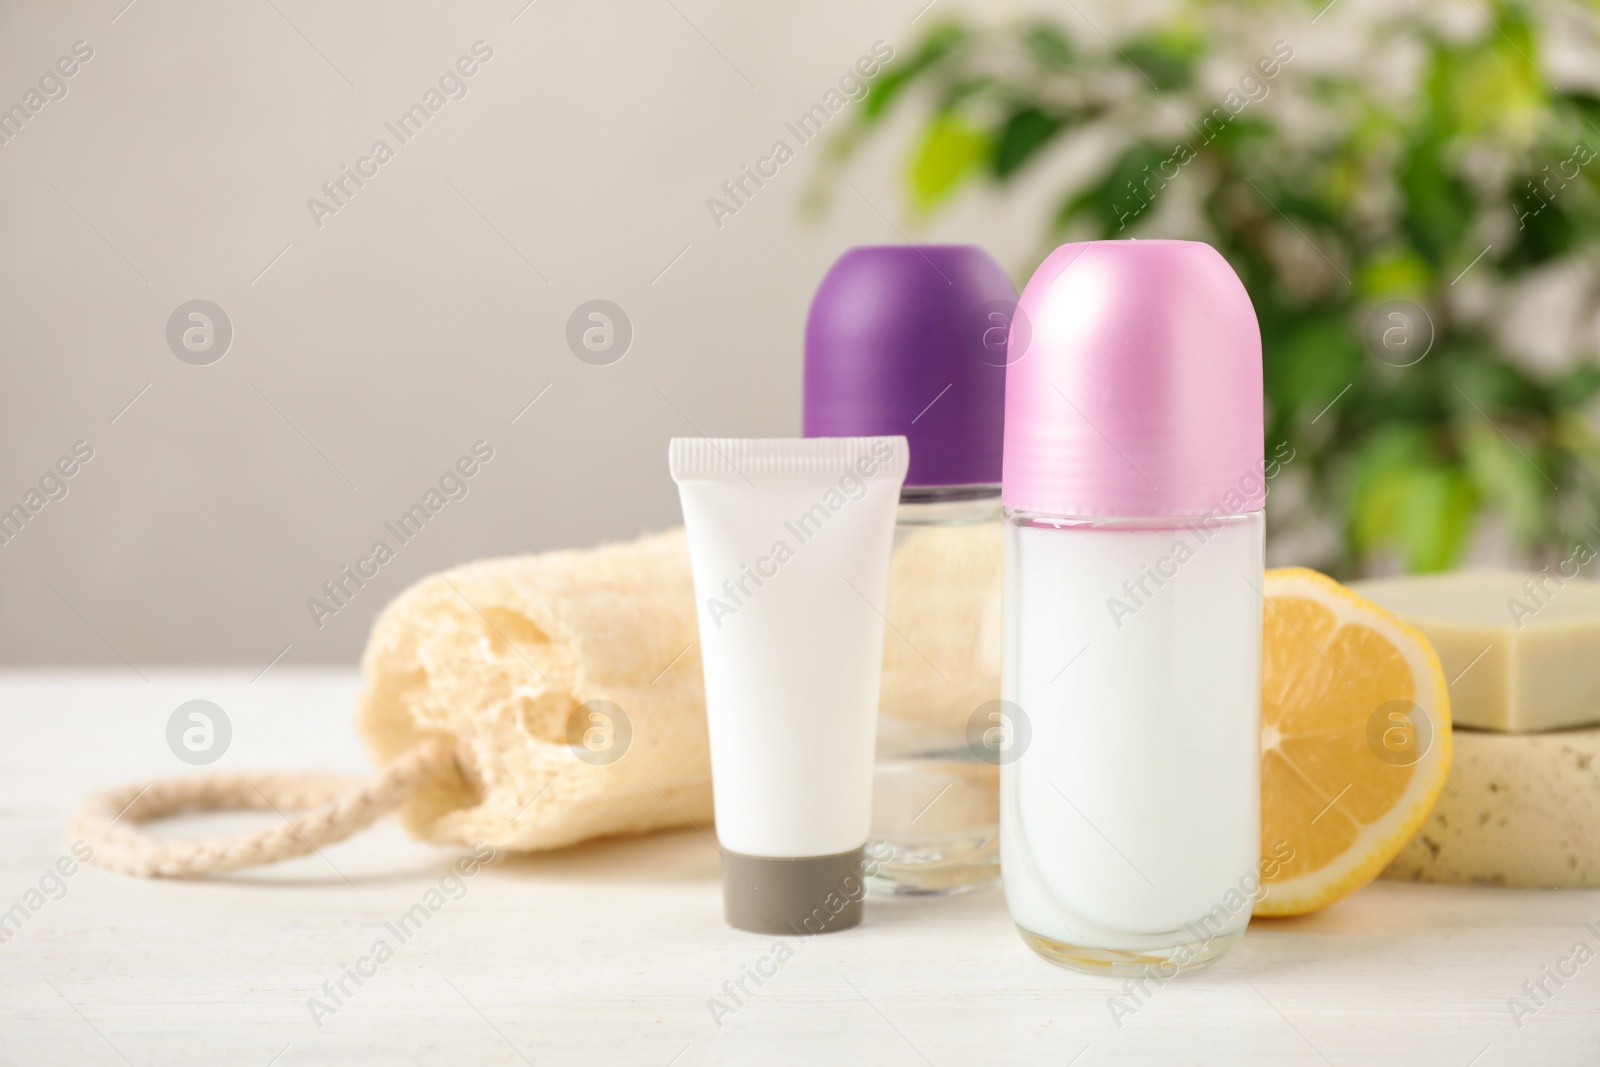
x=333, y=806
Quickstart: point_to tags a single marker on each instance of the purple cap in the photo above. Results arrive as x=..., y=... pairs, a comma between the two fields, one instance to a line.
x=911, y=340
x=1139, y=394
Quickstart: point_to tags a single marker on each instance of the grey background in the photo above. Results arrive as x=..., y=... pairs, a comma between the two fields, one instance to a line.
x=372, y=352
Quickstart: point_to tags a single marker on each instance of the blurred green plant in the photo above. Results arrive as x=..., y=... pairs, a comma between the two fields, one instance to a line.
x=1371, y=225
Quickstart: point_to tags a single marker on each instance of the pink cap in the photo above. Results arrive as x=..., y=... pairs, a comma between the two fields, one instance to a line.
x=1138, y=393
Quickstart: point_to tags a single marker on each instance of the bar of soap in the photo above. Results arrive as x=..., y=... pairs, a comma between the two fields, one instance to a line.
x=1518, y=811
x=1521, y=650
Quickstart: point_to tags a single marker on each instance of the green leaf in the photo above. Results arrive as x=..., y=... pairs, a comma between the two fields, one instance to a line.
x=1489, y=87
x=1438, y=204
x=1506, y=479
x=1165, y=58
x=1049, y=46
x=1544, y=229
x=1489, y=387
x=883, y=91
x=1313, y=362
x=1577, y=387
x=949, y=152
x=933, y=48
x=1585, y=103
x=1405, y=500
x=1024, y=133
x=1436, y=517
x=962, y=90
x=1395, y=273
x=1122, y=197
x=1238, y=135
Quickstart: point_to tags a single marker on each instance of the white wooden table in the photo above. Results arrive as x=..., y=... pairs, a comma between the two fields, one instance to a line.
x=609, y=953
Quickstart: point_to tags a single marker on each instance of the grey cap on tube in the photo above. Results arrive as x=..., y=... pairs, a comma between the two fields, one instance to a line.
x=800, y=896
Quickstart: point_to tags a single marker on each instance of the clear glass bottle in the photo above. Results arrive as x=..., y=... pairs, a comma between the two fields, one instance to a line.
x=1134, y=483
x=910, y=340
x=935, y=807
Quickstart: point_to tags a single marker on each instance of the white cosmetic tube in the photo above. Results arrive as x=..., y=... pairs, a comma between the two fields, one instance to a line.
x=789, y=544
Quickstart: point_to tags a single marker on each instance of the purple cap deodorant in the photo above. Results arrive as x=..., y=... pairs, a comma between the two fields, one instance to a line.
x=911, y=339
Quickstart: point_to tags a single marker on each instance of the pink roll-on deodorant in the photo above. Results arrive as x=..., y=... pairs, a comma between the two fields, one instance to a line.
x=1133, y=488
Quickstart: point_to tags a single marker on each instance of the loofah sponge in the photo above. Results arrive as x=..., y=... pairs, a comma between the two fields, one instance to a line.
x=523, y=663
